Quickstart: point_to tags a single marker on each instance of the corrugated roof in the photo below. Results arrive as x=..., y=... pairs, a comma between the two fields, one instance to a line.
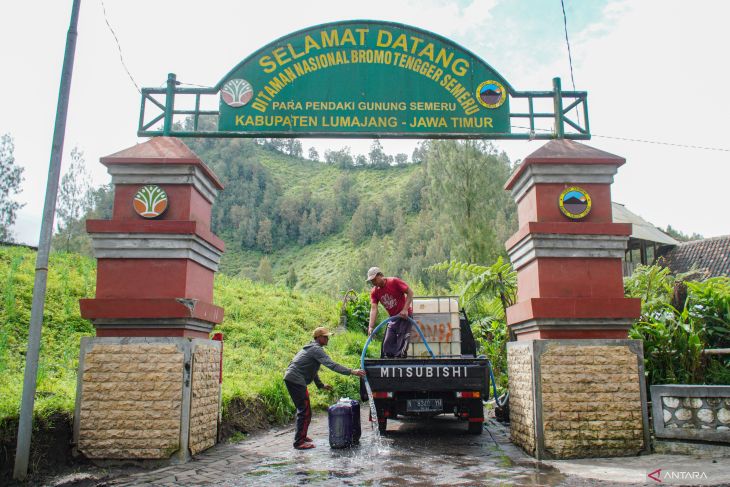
x=710, y=256
x=640, y=228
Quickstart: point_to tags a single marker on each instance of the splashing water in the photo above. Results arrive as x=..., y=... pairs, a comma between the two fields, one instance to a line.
x=378, y=439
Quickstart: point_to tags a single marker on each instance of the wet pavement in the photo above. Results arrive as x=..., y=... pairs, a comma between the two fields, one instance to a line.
x=434, y=452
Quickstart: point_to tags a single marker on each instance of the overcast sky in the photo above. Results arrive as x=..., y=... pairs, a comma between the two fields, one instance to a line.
x=654, y=70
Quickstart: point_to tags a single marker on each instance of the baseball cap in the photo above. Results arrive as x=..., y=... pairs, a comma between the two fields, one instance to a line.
x=372, y=272
x=321, y=332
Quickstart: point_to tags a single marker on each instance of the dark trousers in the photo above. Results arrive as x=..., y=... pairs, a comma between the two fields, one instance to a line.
x=397, y=338
x=300, y=395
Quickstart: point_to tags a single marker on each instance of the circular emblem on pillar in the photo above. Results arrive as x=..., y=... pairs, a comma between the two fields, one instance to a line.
x=150, y=201
x=491, y=94
x=237, y=92
x=575, y=203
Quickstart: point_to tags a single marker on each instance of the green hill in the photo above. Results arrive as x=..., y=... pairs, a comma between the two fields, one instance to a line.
x=321, y=225
x=295, y=175
x=264, y=326
x=328, y=258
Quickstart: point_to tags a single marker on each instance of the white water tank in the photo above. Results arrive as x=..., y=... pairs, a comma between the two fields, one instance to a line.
x=438, y=319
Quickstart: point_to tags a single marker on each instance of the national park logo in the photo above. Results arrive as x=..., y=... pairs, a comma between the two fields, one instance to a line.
x=237, y=92
x=575, y=203
x=491, y=94
x=150, y=201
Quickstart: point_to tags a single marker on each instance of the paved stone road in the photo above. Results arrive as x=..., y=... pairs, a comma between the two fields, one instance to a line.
x=437, y=452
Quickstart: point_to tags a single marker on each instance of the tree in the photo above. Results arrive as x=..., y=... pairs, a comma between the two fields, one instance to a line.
x=263, y=239
x=465, y=179
x=328, y=221
x=346, y=197
x=74, y=194
x=419, y=153
x=401, y=159
x=291, y=278
x=309, y=227
x=11, y=176
x=360, y=226
x=102, y=202
x=339, y=158
x=293, y=147
x=412, y=197
x=75, y=200
x=313, y=154
x=378, y=158
x=361, y=161
x=264, y=272
x=681, y=236
x=275, y=144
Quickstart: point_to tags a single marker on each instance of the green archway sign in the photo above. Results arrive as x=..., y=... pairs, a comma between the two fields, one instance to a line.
x=363, y=79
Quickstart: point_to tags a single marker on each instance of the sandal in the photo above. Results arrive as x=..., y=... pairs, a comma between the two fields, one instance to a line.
x=304, y=446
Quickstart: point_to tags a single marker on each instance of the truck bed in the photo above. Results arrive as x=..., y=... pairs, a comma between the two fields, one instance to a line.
x=428, y=374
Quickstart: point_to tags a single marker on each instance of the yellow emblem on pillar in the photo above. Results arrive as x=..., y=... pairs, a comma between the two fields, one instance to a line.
x=575, y=203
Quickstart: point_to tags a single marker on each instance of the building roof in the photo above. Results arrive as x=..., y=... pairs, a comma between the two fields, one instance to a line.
x=710, y=256
x=640, y=228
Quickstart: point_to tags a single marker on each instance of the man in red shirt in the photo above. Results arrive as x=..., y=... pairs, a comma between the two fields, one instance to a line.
x=397, y=299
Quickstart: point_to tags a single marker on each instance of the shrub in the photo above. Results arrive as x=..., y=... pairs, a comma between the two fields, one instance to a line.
x=679, y=319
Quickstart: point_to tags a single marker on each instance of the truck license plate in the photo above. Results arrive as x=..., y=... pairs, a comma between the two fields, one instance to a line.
x=424, y=405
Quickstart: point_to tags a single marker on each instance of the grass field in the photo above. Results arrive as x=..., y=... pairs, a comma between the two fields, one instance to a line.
x=295, y=175
x=264, y=327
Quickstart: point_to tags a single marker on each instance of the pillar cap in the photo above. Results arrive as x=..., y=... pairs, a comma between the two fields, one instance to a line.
x=562, y=151
x=161, y=150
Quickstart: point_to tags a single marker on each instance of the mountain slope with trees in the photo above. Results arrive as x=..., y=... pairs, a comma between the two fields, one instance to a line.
x=321, y=224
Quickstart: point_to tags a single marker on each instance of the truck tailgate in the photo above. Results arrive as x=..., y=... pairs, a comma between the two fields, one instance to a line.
x=440, y=374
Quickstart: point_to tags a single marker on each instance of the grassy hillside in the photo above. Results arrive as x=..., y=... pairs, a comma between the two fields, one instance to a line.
x=327, y=222
x=70, y=278
x=295, y=175
x=319, y=265
x=263, y=328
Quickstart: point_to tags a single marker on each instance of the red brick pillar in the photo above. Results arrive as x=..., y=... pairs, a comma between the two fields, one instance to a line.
x=569, y=269
x=576, y=382
x=148, y=384
x=155, y=275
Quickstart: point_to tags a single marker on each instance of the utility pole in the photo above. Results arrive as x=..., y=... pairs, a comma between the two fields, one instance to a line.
x=25, y=424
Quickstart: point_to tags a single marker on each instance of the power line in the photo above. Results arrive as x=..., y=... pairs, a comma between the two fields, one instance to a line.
x=570, y=55
x=686, y=146
x=119, y=47
x=644, y=141
x=195, y=84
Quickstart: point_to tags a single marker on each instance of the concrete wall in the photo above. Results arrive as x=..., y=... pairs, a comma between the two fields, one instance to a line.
x=205, y=398
x=589, y=398
x=691, y=412
x=591, y=401
x=134, y=398
x=521, y=398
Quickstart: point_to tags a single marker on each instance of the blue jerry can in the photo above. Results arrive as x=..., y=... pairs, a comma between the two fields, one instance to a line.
x=342, y=428
x=356, y=430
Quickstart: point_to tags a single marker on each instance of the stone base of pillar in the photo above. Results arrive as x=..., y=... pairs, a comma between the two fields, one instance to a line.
x=578, y=398
x=147, y=398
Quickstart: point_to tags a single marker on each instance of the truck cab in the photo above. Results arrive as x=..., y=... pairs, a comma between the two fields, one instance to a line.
x=454, y=381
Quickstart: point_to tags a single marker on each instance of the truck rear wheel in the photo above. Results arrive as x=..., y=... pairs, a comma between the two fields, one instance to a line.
x=476, y=428
x=382, y=425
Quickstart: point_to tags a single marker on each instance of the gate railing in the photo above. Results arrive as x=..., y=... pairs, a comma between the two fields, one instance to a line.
x=563, y=103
